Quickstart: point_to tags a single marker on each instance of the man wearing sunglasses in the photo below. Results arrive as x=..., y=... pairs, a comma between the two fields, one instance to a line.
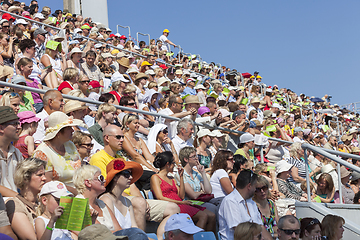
x=238, y=207
x=288, y=228
x=9, y=132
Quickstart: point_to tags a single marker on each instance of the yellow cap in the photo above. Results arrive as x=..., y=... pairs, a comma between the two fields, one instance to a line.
x=258, y=76
x=115, y=51
x=166, y=30
x=145, y=63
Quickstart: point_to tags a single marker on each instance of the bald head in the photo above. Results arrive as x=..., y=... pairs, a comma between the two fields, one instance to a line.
x=111, y=129
x=113, y=138
x=53, y=101
x=50, y=94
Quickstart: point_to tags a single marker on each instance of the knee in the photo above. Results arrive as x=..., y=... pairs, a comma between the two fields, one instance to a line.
x=210, y=215
x=172, y=208
x=202, y=215
x=139, y=204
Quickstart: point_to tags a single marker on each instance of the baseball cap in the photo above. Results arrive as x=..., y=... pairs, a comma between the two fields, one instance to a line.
x=55, y=188
x=39, y=15
x=39, y=31
x=203, y=110
x=246, y=137
x=237, y=113
x=18, y=79
x=7, y=114
x=95, y=84
x=166, y=30
x=183, y=222
x=298, y=129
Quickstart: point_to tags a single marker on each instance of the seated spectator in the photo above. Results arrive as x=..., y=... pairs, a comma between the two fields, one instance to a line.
x=325, y=188
x=217, y=139
x=276, y=150
x=310, y=228
x=332, y=227
x=298, y=172
x=6, y=231
x=71, y=78
x=106, y=115
x=220, y=181
x=290, y=190
x=25, y=102
x=298, y=135
x=49, y=211
x=246, y=149
x=238, y=207
x=75, y=56
x=134, y=146
x=355, y=182
x=90, y=184
x=164, y=188
x=248, y=231
x=180, y=226
x=90, y=69
x=8, y=53
x=29, y=123
x=197, y=185
x=51, y=60
x=9, y=126
x=150, y=101
x=11, y=99
x=240, y=163
x=29, y=178
x=185, y=130
x=267, y=208
x=202, y=142
x=347, y=192
x=84, y=145
x=57, y=150
x=288, y=226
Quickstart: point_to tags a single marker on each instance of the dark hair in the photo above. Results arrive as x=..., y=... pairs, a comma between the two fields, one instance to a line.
x=163, y=158
x=211, y=99
x=356, y=198
x=110, y=186
x=32, y=9
x=221, y=103
x=239, y=160
x=245, y=177
x=233, y=106
x=26, y=43
x=90, y=53
x=220, y=160
x=106, y=97
x=308, y=224
x=172, y=99
x=125, y=100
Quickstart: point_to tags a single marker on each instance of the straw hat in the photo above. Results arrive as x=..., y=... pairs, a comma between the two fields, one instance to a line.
x=76, y=50
x=57, y=121
x=192, y=99
x=141, y=75
x=124, y=62
x=162, y=80
x=346, y=137
x=73, y=105
x=118, y=165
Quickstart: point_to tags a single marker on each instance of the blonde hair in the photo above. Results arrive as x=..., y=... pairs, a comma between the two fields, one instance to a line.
x=116, y=85
x=129, y=89
x=246, y=230
x=128, y=118
x=294, y=148
x=5, y=100
x=106, y=108
x=41, y=208
x=25, y=169
x=86, y=172
x=157, y=70
x=70, y=73
x=151, y=85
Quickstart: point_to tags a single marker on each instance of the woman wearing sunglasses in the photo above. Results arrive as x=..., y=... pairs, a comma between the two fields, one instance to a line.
x=310, y=229
x=267, y=208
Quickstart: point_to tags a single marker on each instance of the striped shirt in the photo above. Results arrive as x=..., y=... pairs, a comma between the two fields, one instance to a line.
x=300, y=164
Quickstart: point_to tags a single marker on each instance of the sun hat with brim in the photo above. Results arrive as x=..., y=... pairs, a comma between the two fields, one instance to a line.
x=73, y=105
x=55, y=188
x=27, y=117
x=118, y=165
x=132, y=70
x=15, y=8
x=21, y=21
x=203, y=110
x=203, y=132
x=255, y=100
x=57, y=121
x=200, y=86
x=355, y=176
x=98, y=232
x=343, y=172
x=216, y=133
x=17, y=79
x=257, y=122
x=162, y=80
x=53, y=45
x=140, y=76
x=282, y=166
x=224, y=112
x=192, y=99
x=76, y=50
x=346, y=138
x=246, y=137
x=7, y=114
x=179, y=71
x=124, y=62
x=58, y=38
x=150, y=72
x=355, y=150
x=182, y=222
x=107, y=55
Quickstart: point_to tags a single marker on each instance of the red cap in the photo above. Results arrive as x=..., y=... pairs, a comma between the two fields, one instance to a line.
x=123, y=37
x=95, y=84
x=163, y=66
x=8, y=17
x=112, y=35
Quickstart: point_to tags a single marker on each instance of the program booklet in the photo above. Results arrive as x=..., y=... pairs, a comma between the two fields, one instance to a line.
x=76, y=215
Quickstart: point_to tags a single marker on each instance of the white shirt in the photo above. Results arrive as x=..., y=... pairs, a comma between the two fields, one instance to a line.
x=233, y=211
x=180, y=144
x=40, y=131
x=8, y=165
x=260, y=116
x=217, y=190
x=163, y=39
x=171, y=125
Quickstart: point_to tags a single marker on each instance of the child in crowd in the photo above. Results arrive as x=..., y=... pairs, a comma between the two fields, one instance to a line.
x=29, y=124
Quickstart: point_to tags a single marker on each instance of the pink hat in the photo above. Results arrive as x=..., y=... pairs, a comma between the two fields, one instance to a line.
x=203, y=110
x=27, y=117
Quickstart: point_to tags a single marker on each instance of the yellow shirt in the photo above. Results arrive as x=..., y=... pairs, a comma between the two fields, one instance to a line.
x=101, y=159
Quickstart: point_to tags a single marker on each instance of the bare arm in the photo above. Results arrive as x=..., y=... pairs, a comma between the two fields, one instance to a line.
x=295, y=175
x=226, y=185
x=146, y=151
x=155, y=187
x=29, y=141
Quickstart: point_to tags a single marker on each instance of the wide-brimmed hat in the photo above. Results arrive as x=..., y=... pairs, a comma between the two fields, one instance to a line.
x=255, y=100
x=192, y=99
x=118, y=165
x=346, y=138
x=344, y=172
x=355, y=150
x=257, y=122
x=132, y=70
x=162, y=80
x=124, y=62
x=57, y=121
x=141, y=75
x=76, y=50
x=27, y=117
x=73, y=105
x=224, y=112
x=282, y=166
x=216, y=133
x=7, y=114
x=15, y=8
x=203, y=132
x=200, y=86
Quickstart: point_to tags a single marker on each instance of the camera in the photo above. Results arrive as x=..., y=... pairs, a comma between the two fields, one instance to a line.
x=16, y=40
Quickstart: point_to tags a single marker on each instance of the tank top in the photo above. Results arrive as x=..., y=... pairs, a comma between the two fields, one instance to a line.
x=124, y=221
x=36, y=96
x=55, y=63
x=20, y=144
x=57, y=234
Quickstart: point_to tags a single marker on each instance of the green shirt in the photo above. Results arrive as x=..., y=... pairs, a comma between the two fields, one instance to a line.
x=97, y=132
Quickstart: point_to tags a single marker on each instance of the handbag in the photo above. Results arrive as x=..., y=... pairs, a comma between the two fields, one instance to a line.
x=205, y=197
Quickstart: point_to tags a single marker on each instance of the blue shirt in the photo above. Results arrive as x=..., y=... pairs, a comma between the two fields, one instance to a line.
x=189, y=91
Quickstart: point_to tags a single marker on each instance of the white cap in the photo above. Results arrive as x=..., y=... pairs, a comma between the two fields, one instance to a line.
x=55, y=188
x=39, y=15
x=282, y=166
x=118, y=77
x=216, y=133
x=203, y=132
x=98, y=45
x=233, y=88
x=183, y=222
x=276, y=105
x=21, y=21
x=150, y=72
x=77, y=30
x=193, y=75
x=200, y=86
x=246, y=137
x=132, y=70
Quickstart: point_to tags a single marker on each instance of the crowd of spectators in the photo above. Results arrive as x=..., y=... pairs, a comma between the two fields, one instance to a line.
x=137, y=167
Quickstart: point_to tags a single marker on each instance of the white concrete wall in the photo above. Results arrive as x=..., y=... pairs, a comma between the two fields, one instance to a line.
x=96, y=9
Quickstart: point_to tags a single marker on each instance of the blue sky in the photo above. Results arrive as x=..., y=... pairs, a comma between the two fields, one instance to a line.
x=309, y=46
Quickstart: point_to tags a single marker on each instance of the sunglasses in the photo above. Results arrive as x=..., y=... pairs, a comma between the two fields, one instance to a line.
x=126, y=173
x=101, y=178
x=291, y=231
x=230, y=159
x=85, y=81
x=14, y=95
x=264, y=188
x=165, y=131
x=15, y=124
x=118, y=137
x=313, y=222
x=88, y=145
x=131, y=104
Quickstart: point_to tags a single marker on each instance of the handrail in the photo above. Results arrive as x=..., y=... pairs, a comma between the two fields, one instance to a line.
x=93, y=40
x=117, y=29
x=143, y=34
